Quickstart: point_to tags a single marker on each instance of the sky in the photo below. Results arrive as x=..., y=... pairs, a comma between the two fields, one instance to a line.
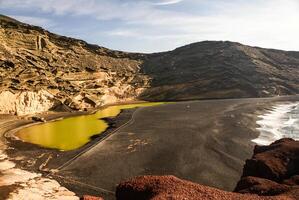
x=162, y=25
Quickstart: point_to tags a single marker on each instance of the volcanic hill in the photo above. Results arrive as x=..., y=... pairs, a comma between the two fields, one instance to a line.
x=40, y=71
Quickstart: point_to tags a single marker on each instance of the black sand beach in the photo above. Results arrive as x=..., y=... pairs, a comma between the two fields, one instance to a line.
x=203, y=141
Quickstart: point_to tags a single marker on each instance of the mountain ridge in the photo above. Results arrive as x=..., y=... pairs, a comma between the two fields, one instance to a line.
x=79, y=75
x=223, y=62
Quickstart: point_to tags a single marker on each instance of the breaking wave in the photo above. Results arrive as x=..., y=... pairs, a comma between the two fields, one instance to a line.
x=281, y=122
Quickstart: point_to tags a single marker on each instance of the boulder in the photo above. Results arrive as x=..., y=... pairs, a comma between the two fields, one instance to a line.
x=276, y=162
x=272, y=170
x=38, y=119
x=88, y=197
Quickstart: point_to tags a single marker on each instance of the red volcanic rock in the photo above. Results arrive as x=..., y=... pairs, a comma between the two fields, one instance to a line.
x=272, y=170
x=87, y=197
x=170, y=187
x=294, y=180
x=276, y=162
x=261, y=186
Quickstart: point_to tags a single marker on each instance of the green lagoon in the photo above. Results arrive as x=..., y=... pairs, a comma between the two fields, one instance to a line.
x=74, y=132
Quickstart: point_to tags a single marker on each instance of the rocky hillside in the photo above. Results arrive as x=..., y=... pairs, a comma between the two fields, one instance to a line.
x=66, y=70
x=221, y=70
x=40, y=70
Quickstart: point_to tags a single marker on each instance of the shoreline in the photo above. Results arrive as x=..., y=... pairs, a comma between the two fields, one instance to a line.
x=52, y=116
x=272, y=123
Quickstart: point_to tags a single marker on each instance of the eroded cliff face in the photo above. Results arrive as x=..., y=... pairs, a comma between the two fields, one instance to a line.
x=22, y=103
x=75, y=73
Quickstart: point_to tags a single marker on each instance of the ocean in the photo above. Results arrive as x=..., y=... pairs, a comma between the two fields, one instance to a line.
x=281, y=122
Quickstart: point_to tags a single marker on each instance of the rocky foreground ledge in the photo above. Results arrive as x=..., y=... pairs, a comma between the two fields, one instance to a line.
x=272, y=173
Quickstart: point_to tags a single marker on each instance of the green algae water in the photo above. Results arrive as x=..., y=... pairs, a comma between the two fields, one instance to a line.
x=74, y=132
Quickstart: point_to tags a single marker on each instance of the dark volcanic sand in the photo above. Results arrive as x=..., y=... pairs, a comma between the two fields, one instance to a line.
x=203, y=141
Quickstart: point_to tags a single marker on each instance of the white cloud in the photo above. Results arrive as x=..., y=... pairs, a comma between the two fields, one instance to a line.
x=272, y=24
x=268, y=23
x=167, y=2
x=123, y=33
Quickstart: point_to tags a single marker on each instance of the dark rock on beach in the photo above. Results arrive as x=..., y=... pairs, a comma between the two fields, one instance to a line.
x=38, y=119
x=273, y=169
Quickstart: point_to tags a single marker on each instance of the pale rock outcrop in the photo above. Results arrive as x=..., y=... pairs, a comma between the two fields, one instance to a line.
x=29, y=185
x=23, y=103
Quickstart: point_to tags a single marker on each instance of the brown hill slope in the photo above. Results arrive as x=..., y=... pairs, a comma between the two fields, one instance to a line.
x=40, y=70
x=221, y=70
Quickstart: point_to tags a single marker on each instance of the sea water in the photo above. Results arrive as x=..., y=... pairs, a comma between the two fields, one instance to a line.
x=281, y=122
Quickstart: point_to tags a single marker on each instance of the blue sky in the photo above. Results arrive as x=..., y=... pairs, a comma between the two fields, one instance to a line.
x=161, y=25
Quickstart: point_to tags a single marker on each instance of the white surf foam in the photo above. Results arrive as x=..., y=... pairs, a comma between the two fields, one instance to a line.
x=281, y=122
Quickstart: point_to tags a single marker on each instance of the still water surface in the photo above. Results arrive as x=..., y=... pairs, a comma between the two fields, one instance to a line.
x=72, y=133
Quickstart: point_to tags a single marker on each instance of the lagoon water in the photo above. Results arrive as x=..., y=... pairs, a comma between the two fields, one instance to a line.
x=74, y=132
x=281, y=122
